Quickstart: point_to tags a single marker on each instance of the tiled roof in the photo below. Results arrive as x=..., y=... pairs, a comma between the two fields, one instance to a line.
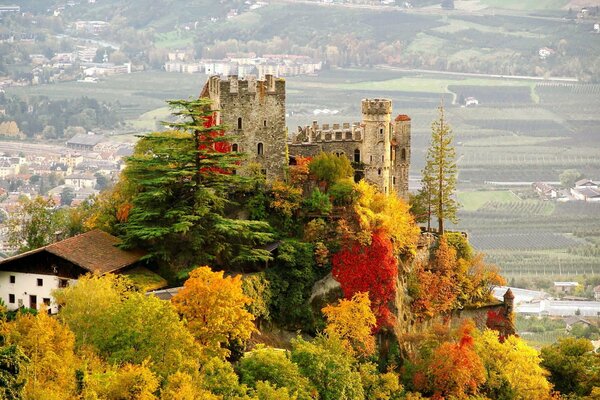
x=402, y=117
x=94, y=251
x=85, y=140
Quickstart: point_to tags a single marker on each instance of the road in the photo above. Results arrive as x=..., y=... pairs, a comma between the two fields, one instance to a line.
x=15, y=148
x=477, y=75
x=430, y=10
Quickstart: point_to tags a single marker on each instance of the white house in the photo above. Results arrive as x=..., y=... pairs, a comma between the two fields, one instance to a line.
x=565, y=287
x=28, y=279
x=81, y=181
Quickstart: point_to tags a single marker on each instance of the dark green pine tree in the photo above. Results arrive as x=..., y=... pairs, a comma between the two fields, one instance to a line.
x=184, y=180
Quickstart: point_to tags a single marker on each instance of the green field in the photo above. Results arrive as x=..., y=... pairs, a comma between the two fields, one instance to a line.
x=471, y=201
x=526, y=4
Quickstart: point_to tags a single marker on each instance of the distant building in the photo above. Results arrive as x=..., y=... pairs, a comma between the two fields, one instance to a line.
x=546, y=52
x=586, y=183
x=80, y=181
x=9, y=10
x=83, y=141
x=545, y=190
x=471, y=101
x=565, y=287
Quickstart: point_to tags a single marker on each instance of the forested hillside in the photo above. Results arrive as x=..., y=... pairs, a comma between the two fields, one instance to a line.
x=247, y=322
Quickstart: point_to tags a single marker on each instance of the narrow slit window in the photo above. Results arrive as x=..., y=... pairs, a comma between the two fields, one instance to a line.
x=234, y=147
x=403, y=154
x=357, y=156
x=260, y=149
x=239, y=125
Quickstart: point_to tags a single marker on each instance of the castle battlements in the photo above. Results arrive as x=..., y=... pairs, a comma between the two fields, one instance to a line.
x=351, y=132
x=232, y=84
x=377, y=106
x=254, y=112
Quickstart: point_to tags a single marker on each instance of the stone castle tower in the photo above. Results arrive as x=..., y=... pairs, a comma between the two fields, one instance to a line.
x=254, y=111
x=377, y=146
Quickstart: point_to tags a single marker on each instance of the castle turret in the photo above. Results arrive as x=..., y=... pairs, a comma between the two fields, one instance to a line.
x=376, y=117
x=401, y=155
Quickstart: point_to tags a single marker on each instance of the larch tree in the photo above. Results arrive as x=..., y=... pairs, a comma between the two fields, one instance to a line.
x=440, y=172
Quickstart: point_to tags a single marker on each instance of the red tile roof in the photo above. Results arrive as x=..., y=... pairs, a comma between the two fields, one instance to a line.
x=402, y=117
x=94, y=251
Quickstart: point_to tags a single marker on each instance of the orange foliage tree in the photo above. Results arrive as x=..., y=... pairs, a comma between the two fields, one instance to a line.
x=353, y=322
x=369, y=268
x=214, y=308
x=456, y=369
x=436, y=290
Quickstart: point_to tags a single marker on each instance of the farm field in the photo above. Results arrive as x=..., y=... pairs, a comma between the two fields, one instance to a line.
x=471, y=201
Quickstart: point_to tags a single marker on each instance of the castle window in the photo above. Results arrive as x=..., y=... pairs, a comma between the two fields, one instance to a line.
x=234, y=147
x=265, y=123
x=394, y=180
x=403, y=154
x=12, y=279
x=382, y=158
x=260, y=149
x=357, y=156
x=379, y=171
x=239, y=125
x=233, y=172
x=11, y=298
x=371, y=159
x=380, y=133
x=263, y=171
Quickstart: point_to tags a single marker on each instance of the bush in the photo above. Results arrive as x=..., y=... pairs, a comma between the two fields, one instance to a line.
x=343, y=193
x=318, y=203
x=273, y=366
x=292, y=277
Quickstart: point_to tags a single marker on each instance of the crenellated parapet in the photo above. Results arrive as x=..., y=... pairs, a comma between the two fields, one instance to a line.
x=315, y=133
x=377, y=106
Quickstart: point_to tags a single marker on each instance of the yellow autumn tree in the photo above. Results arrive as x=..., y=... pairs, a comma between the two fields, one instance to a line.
x=214, y=308
x=182, y=386
x=50, y=347
x=353, y=322
x=378, y=211
x=132, y=382
x=512, y=368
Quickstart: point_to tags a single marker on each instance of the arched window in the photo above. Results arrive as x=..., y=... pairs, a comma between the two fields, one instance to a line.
x=239, y=123
x=265, y=123
x=234, y=147
x=260, y=149
x=379, y=171
x=357, y=156
x=403, y=154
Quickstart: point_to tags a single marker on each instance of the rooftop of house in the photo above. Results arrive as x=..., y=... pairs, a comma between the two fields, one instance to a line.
x=85, y=140
x=95, y=251
x=572, y=284
x=585, y=182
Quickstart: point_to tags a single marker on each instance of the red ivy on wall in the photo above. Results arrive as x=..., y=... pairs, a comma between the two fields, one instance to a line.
x=210, y=144
x=371, y=269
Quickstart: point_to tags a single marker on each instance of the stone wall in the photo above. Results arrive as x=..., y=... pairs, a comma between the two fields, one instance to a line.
x=254, y=113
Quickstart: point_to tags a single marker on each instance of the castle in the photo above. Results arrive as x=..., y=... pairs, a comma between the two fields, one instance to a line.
x=254, y=112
